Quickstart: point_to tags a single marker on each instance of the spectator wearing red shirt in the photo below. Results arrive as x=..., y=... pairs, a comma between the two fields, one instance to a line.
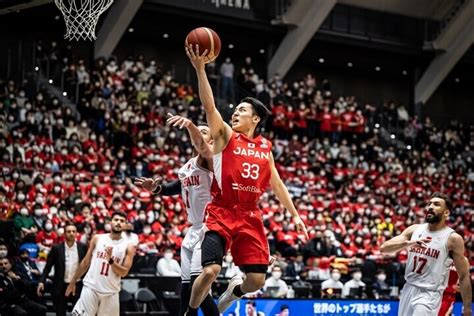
x=326, y=118
x=47, y=237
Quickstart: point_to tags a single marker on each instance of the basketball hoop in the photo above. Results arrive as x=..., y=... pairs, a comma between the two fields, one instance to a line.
x=81, y=17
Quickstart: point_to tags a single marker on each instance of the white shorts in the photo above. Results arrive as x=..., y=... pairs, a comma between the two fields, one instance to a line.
x=92, y=303
x=191, y=253
x=418, y=302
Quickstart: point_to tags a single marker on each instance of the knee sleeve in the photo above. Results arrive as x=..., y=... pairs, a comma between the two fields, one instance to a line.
x=212, y=249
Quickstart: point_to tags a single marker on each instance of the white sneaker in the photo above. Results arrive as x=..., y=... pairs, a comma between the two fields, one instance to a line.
x=227, y=298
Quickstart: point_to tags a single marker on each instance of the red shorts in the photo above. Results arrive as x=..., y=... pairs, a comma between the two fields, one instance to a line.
x=242, y=229
x=446, y=303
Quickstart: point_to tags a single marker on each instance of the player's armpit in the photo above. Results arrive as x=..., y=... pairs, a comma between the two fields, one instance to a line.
x=221, y=132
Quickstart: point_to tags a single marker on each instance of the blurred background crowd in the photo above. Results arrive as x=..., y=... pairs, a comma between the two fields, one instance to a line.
x=359, y=172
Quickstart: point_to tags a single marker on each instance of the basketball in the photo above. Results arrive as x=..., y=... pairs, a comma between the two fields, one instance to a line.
x=206, y=38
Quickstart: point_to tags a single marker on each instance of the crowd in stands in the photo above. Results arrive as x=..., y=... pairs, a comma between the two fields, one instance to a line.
x=358, y=173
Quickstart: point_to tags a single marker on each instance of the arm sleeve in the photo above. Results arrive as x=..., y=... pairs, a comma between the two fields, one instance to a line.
x=168, y=189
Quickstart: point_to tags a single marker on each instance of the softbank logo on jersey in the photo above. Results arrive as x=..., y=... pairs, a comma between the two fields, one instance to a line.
x=250, y=153
x=246, y=188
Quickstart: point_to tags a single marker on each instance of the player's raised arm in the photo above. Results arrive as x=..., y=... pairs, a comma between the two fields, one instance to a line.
x=220, y=131
x=284, y=197
x=456, y=248
x=83, y=267
x=403, y=241
x=197, y=139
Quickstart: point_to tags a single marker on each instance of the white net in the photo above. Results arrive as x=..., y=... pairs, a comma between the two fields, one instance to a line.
x=81, y=17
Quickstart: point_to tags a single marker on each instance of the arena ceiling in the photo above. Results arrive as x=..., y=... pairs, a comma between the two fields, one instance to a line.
x=423, y=9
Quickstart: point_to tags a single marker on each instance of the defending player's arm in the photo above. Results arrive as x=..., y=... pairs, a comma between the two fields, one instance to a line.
x=456, y=247
x=220, y=131
x=153, y=185
x=284, y=197
x=83, y=267
x=197, y=139
x=403, y=241
x=121, y=269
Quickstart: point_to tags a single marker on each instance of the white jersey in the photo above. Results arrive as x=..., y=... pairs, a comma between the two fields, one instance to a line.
x=100, y=277
x=195, y=189
x=428, y=268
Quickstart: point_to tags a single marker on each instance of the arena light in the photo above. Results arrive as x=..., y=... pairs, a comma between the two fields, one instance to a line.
x=262, y=51
x=404, y=72
x=409, y=147
x=231, y=106
x=392, y=136
x=50, y=81
x=37, y=68
x=349, y=64
x=231, y=46
x=377, y=68
x=131, y=30
x=65, y=93
x=57, y=17
x=321, y=60
x=377, y=125
x=456, y=80
x=166, y=35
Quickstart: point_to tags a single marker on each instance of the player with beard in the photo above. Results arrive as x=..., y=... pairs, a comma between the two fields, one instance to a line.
x=431, y=247
x=109, y=258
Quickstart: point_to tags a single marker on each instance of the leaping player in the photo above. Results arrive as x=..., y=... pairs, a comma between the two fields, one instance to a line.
x=430, y=247
x=243, y=168
x=194, y=184
x=109, y=258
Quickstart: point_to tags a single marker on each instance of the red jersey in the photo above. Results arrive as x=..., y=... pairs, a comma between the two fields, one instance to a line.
x=452, y=281
x=242, y=170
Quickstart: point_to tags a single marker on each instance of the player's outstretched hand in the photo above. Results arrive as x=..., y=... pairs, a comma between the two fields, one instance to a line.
x=146, y=183
x=71, y=289
x=197, y=60
x=180, y=121
x=300, y=226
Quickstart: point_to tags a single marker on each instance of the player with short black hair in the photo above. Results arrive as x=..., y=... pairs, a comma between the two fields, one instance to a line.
x=108, y=260
x=243, y=168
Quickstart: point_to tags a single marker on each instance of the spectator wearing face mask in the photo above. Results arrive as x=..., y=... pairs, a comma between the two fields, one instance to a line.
x=229, y=269
x=3, y=249
x=354, y=283
x=275, y=281
x=46, y=237
x=26, y=266
x=332, y=287
x=24, y=224
x=167, y=266
x=380, y=288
